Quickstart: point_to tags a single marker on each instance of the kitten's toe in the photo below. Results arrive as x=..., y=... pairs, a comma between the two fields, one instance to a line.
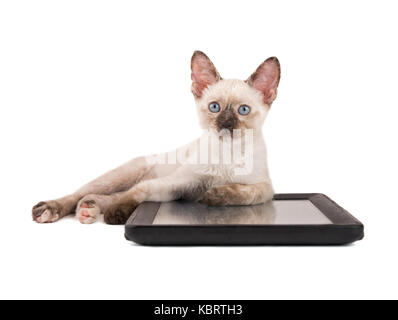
x=46, y=212
x=87, y=211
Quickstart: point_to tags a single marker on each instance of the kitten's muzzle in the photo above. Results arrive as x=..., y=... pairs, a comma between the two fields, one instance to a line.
x=227, y=120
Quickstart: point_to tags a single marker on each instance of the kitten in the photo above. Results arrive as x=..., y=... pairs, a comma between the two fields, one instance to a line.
x=224, y=107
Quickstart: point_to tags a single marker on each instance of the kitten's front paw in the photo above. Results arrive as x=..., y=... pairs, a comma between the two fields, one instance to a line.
x=46, y=211
x=214, y=197
x=119, y=212
x=87, y=210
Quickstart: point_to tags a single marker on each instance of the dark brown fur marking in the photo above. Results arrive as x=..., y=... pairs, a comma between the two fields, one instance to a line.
x=119, y=212
x=227, y=120
x=192, y=193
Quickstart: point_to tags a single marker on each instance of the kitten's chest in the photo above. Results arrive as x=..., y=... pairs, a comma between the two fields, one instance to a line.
x=224, y=165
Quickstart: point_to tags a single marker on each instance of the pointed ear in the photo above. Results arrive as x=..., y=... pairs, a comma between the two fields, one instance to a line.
x=203, y=73
x=266, y=79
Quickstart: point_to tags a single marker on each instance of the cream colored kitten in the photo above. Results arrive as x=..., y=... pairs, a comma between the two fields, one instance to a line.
x=235, y=172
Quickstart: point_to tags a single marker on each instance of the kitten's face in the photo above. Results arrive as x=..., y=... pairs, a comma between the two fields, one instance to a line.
x=233, y=104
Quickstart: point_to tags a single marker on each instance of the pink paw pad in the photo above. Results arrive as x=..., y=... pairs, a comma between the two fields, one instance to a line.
x=82, y=219
x=84, y=213
x=87, y=212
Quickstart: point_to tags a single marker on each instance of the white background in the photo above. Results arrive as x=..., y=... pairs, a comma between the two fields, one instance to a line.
x=87, y=85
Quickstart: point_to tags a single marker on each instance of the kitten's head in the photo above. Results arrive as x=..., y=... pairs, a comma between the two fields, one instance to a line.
x=233, y=104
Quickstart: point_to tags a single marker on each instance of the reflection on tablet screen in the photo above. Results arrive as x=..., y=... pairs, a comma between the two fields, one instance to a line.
x=274, y=212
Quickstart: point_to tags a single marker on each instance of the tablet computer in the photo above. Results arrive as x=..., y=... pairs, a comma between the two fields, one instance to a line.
x=289, y=219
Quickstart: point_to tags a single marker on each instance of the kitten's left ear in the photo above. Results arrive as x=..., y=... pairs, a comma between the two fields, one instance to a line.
x=266, y=79
x=204, y=73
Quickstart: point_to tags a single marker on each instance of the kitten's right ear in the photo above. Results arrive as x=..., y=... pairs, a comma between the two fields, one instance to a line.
x=203, y=73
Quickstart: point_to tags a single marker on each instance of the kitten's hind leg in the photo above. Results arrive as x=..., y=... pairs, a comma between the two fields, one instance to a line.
x=117, y=180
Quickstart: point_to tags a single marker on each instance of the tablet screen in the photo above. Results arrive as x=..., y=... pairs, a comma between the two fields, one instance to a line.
x=274, y=212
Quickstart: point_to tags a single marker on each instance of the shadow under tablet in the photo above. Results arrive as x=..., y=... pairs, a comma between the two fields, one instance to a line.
x=288, y=219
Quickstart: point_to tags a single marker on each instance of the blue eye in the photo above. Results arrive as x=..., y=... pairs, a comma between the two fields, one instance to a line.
x=214, y=107
x=244, y=110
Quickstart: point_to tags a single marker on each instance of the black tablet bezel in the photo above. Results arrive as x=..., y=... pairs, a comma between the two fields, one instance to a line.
x=344, y=228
